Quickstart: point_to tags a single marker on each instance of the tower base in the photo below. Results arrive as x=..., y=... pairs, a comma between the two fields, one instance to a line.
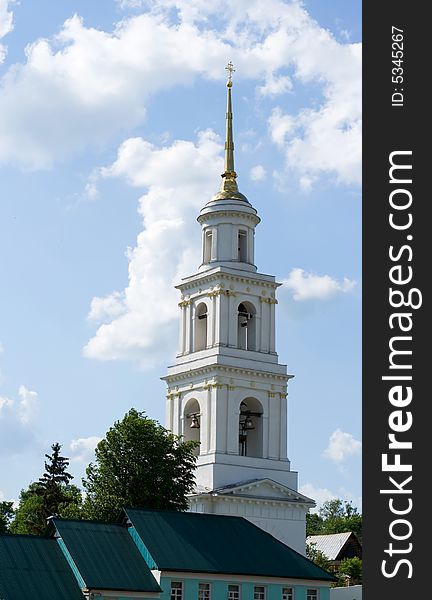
x=271, y=506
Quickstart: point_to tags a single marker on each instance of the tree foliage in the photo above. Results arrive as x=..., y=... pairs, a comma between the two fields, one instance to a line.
x=350, y=571
x=335, y=516
x=140, y=464
x=6, y=515
x=51, y=495
x=318, y=557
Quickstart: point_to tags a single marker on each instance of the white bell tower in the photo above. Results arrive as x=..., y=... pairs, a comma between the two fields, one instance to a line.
x=227, y=389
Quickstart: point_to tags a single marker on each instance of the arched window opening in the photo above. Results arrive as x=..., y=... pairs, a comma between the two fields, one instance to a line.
x=192, y=423
x=251, y=428
x=246, y=326
x=201, y=327
x=208, y=242
x=242, y=245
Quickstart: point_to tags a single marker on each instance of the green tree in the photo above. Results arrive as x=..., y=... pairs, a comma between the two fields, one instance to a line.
x=314, y=524
x=339, y=517
x=30, y=515
x=52, y=494
x=351, y=569
x=318, y=557
x=140, y=464
x=6, y=515
x=53, y=483
x=335, y=516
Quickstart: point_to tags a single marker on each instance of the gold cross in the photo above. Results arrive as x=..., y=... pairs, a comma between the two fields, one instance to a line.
x=230, y=69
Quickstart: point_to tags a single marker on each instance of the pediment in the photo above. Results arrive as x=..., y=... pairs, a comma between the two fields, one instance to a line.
x=263, y=489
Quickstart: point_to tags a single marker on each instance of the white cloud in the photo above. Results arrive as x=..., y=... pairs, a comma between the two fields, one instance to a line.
x=341, y=445
x=275, y=85
x=6, y=25
x=320, y=495
x=109, y=307
x=28, y=404
x=141, y=321
x=5, y=404
x=258, y=173
x=82, y=449
x=16, y=415
x=130, y=3
x=6, y=18
x=85, y=86
x=325, y=139
x=307, y=286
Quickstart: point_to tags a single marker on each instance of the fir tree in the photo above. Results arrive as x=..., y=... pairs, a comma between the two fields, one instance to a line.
x=52, y=484
x=51, y=495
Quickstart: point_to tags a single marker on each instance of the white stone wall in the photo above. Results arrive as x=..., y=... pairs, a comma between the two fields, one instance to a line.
x=284, y=521
x=352, y=592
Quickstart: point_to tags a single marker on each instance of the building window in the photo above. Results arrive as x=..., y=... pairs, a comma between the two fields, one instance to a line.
x=287, y=593
x=312, y=594
x=201, y=327
x=233, y=592
x=208, y=242
x=246, y=323
x=242, y=246
x=259, y=592
x=176, y=590
x=204, y=591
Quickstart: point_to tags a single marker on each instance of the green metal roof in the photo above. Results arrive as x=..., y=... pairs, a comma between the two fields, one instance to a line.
x=34, y=568
x=105, y=556
x=179, y=541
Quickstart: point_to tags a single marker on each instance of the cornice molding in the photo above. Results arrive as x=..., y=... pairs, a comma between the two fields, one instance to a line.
x=206, y=370
x=216, y=214
x=203, y=278
x=214, y=497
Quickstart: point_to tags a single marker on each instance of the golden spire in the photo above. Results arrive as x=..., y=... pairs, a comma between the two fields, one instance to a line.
x=228, y=189
x=229, y=183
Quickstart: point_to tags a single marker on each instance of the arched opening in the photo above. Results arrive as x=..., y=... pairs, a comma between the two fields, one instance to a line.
x=242, y=253
x=246, y=326
x=192, y=423
x=208, y=243
x=201, y=327
x=251, y=428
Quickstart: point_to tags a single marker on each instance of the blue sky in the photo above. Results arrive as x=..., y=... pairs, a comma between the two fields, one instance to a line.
x=111, y=140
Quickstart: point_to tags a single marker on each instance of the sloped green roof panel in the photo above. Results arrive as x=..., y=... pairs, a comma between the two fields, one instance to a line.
x=34, y=568
x=105, y=556
x=218, y=544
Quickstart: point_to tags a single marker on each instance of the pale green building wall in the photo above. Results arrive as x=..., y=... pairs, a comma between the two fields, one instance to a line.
x=219, y=589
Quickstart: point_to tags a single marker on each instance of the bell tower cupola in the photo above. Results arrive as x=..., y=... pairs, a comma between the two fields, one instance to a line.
x=228, y=220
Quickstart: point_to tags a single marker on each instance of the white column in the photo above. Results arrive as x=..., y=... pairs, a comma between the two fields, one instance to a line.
x=213, y=413
x=211, y=323
x=232, y=321
x=283, y=427
x=250, y=248
x=272, y=327
x=176, y=417
x=182, y=339
x=217, y=319
x=232, y=426
x=214, y=244
x=189, y=329
x=234, y=242
x=223, y=328
x=274, y=425
x=265, y=325
x=169, y=412
x=258, y=325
